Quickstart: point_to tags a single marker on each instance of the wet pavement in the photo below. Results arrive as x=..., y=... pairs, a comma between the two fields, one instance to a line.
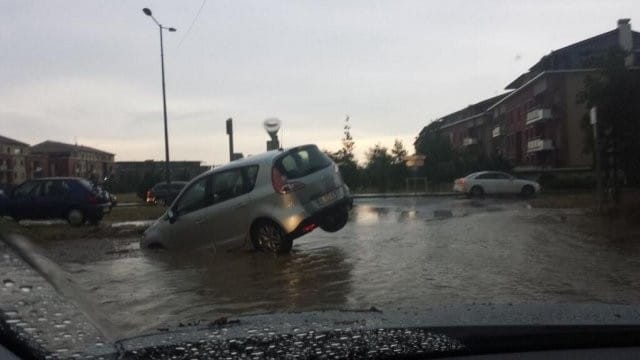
x=394, y=253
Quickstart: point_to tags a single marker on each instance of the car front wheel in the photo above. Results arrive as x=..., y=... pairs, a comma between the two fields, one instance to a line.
x=268, y=236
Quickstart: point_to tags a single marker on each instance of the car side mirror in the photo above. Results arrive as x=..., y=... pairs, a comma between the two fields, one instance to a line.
x=172, y=216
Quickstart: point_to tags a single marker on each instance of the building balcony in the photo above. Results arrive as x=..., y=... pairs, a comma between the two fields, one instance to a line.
x=496, y=132
x=539, y=145
x=468, y=141
x=538, y=115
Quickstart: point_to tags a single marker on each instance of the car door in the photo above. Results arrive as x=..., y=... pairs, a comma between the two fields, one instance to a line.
x=193, y=226
x=52, y=200
x=503, y=183
x=21, y=204
x=485, y=181
x=231, y=195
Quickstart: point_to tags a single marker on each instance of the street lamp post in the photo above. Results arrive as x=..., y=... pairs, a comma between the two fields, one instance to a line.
x=164, y=96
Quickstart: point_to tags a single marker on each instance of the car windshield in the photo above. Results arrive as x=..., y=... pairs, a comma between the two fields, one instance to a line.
x=302, y=162
x=234, y=170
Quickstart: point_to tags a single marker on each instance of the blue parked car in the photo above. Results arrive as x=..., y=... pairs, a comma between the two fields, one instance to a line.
x=69, y=198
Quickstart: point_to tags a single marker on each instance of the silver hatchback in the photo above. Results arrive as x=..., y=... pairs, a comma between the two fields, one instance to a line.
x=265, y=200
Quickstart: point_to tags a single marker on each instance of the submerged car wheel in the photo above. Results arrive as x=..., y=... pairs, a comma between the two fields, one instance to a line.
x=75, y=217
x=268, y=236
x=334, y=221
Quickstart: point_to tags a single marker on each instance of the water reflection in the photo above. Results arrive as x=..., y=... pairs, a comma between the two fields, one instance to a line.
x=367, y=214
x=191, y=286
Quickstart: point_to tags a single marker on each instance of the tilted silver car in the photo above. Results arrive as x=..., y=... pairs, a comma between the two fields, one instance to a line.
x=265, y=200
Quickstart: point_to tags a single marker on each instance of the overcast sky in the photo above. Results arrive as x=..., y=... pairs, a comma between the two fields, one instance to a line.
x=90, y=70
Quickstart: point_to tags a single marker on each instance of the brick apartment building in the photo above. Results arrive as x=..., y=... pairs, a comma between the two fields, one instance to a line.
x=537, y=124
x=13, y=162
x=51, y=158
x=470, y=129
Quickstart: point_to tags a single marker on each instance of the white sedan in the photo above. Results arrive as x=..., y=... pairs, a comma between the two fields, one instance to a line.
x=494, y=182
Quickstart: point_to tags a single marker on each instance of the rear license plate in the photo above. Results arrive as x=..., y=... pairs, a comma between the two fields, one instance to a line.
x=328, y=197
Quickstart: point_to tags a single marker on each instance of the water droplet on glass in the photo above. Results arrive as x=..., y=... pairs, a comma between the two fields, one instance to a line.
x=41, y=319
x=8, y=282
x=99, y=344
x=25, y=288
x=66, y=321
x=12, y=321
x=59, y=326
x=11, y=313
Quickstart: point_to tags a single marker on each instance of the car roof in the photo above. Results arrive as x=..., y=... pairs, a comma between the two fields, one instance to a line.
x=486, y=172
x=262, y=158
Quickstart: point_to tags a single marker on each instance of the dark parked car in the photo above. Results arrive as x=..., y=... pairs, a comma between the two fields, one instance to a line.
x=164, y=194
x=72, y=199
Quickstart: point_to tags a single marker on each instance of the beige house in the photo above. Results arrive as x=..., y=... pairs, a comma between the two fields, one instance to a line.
x=13, y=162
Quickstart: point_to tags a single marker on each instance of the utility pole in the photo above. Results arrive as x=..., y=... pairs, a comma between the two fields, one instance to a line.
x=230, y=133
x=596, y=148
x=167, y=170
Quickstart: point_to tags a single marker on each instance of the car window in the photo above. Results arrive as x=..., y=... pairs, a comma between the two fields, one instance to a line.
x=484, y=176
x=54, y=188
x=195, y=197
x=86, y=183
x=227, y=185
x=501, y=176
x=26, y=189
x=177, y=187
x=302, y=162
x=251, y=175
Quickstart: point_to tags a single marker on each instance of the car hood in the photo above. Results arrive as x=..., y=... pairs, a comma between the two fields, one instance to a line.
x=70, y=328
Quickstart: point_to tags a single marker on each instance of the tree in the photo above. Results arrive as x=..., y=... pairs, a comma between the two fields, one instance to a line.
x=398, y=152
x=615, y=91
x=440, y=164
x=345, y=158
x=378, y=168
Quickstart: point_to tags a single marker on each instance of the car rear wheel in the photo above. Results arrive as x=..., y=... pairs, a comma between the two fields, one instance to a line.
x=268, y=236
x=335, y=221
x=527, y=191
x=75, y=217
x=476, y=191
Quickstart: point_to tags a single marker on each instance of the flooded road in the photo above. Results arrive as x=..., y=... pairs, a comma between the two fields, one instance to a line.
x=394, y=253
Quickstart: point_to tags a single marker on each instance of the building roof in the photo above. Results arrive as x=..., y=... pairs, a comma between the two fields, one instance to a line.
x=58, y=147
x=471, y=112
x=577, y=55
x=9, y=141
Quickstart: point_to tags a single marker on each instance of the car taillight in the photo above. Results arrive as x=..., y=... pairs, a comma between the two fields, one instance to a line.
x=280, y=183
x=92, y=199
x=460, y=181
